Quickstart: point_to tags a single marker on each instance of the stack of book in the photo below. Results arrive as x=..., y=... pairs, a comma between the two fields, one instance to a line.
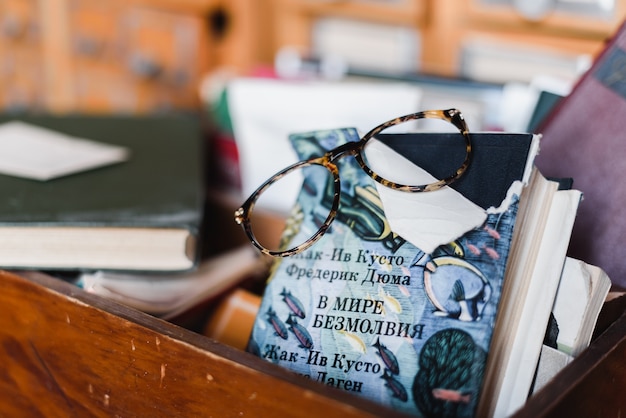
x=465, y=328
x=517, y=257
x=118, y=205
x=101, y=193
x=541, y=308
x=538, y=303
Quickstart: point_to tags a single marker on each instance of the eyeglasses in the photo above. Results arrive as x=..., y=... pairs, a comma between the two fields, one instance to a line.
x=358, y=149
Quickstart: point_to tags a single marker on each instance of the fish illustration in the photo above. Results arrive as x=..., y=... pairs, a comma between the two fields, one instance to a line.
x=293, y=303
x=403, y=289
x=492, y=232
x=380, y=304
x=390, y=360
x=454, y=248
x=491, y=252
x=390, y=301
x=450, y=395
x=277, y=324
x=395, y=386
x=300, y=332
x=355, y=342
x=473, y=249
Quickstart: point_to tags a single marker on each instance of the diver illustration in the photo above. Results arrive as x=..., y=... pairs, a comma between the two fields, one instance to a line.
x=456, y=288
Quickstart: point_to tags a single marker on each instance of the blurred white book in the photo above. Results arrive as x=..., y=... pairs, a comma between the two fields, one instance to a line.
x=264, y=112
x=513, y=365
x=581, y=294
x=369, y=45
x=168, y=296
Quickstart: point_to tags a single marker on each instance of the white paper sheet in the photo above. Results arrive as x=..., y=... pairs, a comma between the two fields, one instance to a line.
x=264, y=112
x=42, y=154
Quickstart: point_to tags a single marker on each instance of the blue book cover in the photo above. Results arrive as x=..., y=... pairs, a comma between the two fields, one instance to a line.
x=366, y=311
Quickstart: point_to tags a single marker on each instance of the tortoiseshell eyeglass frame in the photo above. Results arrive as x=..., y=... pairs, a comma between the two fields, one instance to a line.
x=453, y=116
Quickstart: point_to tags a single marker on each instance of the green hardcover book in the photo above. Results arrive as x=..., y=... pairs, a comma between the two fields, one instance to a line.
x=367, y=311
x=142, y=214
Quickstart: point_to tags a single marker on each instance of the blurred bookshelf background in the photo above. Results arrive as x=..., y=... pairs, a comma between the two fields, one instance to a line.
x=255, y=71
x=141, y=56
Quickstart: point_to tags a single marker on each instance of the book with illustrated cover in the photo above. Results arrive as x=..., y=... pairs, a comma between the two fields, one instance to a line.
x=367, y=311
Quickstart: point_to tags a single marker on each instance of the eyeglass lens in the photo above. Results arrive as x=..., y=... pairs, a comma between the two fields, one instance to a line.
x=402, y=159
x=314, y=183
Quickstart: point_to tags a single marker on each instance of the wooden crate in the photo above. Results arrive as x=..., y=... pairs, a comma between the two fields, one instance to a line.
x=69, y=353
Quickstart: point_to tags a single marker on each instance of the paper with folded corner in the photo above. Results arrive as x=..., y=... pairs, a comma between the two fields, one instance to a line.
x=426, y=220
x=42, y=154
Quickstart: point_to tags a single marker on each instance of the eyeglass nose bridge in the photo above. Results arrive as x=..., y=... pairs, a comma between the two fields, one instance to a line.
x=343, y=150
